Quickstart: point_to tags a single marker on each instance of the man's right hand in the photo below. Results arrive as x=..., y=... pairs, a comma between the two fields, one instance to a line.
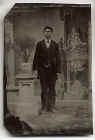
x=35, y=74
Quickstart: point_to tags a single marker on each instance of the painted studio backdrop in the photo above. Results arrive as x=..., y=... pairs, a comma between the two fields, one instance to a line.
x=23, y=27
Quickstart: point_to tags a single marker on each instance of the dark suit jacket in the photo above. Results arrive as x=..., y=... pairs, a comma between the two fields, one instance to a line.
x=44, y=57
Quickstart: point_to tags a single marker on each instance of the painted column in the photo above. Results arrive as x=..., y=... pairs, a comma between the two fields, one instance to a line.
x=10, y=54
x=68, y=76
x=90, y=53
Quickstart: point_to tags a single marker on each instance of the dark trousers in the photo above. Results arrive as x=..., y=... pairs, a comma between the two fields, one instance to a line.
x=48, y=94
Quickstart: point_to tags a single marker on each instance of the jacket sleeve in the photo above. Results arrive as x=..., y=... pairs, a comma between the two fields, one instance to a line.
x=58, y=61
x=35, y=61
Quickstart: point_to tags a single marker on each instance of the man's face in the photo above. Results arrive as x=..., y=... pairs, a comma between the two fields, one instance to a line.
x=47, y=33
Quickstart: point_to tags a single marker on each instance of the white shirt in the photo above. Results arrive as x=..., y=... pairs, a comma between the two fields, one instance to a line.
x=47, y=42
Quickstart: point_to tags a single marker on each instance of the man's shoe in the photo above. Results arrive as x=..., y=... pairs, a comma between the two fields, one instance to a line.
x=50, y=110
x=41, y=111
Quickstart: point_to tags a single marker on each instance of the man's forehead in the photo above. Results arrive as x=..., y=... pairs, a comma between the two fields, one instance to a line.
x=47, y=30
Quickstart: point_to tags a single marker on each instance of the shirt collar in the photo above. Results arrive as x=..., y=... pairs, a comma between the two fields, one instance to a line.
x=47, y=40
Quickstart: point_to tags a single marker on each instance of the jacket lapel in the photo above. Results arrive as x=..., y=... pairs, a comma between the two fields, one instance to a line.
x=44, y=44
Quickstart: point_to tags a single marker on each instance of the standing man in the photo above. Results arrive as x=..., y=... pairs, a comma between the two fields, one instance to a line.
x=47, y=65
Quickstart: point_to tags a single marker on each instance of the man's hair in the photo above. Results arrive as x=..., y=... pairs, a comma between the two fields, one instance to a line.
x=48, y=27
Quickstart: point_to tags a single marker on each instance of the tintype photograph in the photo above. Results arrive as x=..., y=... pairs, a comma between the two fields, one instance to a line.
x=47, y=70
